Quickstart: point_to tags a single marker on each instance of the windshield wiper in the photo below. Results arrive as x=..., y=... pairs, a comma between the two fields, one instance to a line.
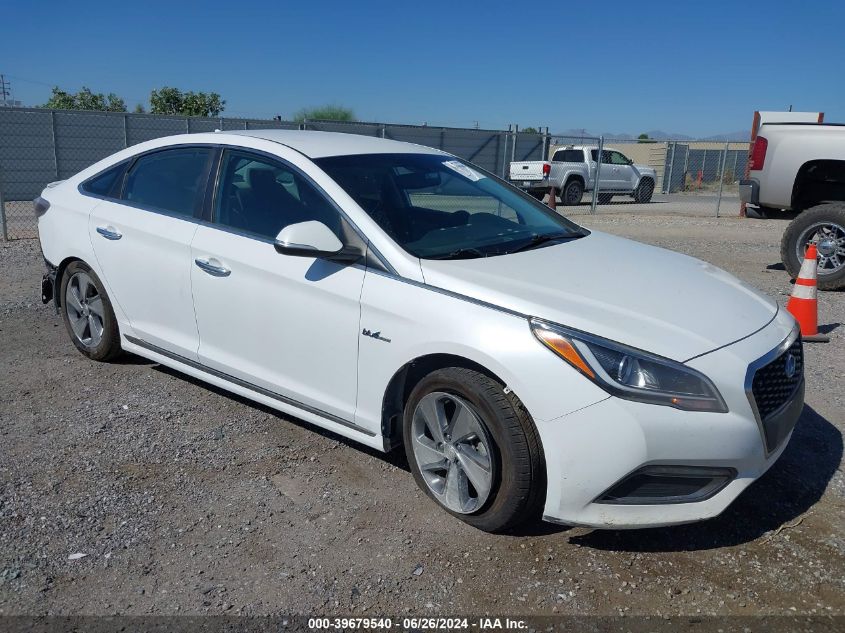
x=537, y=240
x=462, y=253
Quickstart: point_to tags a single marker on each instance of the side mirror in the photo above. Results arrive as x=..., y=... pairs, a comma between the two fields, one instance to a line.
x=314, y=239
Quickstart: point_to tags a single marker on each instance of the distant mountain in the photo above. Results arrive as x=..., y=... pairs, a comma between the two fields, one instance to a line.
x=656, y=135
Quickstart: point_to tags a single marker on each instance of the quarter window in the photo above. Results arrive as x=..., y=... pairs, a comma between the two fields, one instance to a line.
x=105, y=183
x=261, y=196
x=171, y=180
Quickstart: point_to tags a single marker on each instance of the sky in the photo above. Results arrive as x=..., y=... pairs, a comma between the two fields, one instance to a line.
x=694, y=68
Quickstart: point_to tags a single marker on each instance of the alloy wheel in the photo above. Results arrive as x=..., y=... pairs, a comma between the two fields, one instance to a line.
x=85, y=311
x=452, y=449
x=829, y=239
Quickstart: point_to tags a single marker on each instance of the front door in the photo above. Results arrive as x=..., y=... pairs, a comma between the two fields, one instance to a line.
x=286, y=324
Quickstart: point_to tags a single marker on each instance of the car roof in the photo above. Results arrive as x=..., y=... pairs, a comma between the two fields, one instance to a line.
x=321, y=144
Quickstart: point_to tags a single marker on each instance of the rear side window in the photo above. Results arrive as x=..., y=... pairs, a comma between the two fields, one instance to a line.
x=105, y=183
x=569, y=156
x=172, y=180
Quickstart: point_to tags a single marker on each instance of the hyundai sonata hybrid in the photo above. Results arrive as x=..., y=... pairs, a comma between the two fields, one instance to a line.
x=398, y=295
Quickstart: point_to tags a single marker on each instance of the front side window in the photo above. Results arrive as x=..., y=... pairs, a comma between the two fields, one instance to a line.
x=437, y=206
x=617, y=158
x=172, y=180
x=262, y=196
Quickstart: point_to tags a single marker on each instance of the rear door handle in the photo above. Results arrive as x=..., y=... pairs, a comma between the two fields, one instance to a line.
x=213, y=267
x=109, y=232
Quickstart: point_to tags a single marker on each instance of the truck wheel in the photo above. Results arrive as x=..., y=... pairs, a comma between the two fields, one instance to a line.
x=644, y=191
x=605, y=198
x=823, y=225
x=572, y=193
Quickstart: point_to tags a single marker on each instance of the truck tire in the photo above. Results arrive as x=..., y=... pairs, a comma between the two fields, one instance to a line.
x=572, y=193
x=644, y=191
x=824, y=225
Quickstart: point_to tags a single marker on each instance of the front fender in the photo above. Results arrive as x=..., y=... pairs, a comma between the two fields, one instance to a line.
x=415, y=320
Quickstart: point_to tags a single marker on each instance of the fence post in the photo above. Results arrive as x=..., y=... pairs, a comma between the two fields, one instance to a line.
x=504, y=135
x=125, y=130
x=3, y=229
x=668, y=186
x=55, y=149
x=596, y=177
x=513, y=145
x=722, y=179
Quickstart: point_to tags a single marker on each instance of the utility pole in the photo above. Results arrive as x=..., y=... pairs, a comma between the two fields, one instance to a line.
x=5, y=89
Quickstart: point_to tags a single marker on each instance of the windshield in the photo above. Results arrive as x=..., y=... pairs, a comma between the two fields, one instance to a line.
x=438, y=207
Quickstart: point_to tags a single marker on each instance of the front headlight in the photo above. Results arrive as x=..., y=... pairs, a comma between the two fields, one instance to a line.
x=631, y=373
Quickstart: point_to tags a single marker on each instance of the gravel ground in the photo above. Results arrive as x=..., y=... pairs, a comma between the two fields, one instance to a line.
x=129, y=489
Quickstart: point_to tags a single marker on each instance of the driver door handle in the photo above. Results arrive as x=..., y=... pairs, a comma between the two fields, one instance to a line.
x=212, y=267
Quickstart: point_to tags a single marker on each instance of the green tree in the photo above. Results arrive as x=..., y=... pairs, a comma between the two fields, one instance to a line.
x=139, y=109
x=169, y=100
x=85, y=100
x=644, y=138
x=530, y=130
x=325, y=113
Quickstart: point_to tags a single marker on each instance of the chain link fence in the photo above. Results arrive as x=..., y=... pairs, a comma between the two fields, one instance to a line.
x=39, y=146
x=661, y=177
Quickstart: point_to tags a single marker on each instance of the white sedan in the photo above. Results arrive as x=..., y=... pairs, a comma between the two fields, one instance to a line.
x=397, y=295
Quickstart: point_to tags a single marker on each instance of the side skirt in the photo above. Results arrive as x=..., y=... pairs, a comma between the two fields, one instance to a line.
x=246, y=389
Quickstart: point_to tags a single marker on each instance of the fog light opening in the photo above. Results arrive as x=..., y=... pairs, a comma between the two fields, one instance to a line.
x=653, y=485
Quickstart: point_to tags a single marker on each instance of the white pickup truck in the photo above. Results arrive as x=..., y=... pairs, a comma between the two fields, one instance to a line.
x=800, y=167
x=571, y=172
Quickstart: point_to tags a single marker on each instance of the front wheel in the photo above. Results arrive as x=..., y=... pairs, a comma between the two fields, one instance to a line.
x=474, y=449
x=824, y=226
x=644, y=191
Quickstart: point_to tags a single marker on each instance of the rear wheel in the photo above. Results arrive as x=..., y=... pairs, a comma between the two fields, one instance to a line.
x=87, y=313
x=644, y=191
x=474, y=449
x=824, y=226
x=572, y=193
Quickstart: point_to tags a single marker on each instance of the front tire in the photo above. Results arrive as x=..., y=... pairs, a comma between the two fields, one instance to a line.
x=823, y=225
x=644, y=191
x=87, y=313
x=474, y=450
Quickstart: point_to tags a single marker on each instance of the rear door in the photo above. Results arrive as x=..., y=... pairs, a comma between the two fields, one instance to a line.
x=142, y=241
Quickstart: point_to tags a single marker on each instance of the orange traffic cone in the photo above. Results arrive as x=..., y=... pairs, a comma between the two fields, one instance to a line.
x=803, y=303
x=552, y=202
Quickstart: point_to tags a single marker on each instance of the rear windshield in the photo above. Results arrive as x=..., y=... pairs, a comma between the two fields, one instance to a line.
x=568, y=156
x=437, y=206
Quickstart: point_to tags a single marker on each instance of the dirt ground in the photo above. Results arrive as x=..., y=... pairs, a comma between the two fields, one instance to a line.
x=129, y=489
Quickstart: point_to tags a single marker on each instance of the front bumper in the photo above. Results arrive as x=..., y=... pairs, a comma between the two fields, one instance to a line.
x=749, y=192
x=592, y=451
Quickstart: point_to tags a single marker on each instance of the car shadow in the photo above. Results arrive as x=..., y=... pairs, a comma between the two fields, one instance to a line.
x=395, y=457
x=784, y=493
x=792, y=486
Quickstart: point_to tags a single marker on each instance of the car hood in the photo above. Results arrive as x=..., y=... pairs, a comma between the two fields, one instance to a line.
x=643, y=296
